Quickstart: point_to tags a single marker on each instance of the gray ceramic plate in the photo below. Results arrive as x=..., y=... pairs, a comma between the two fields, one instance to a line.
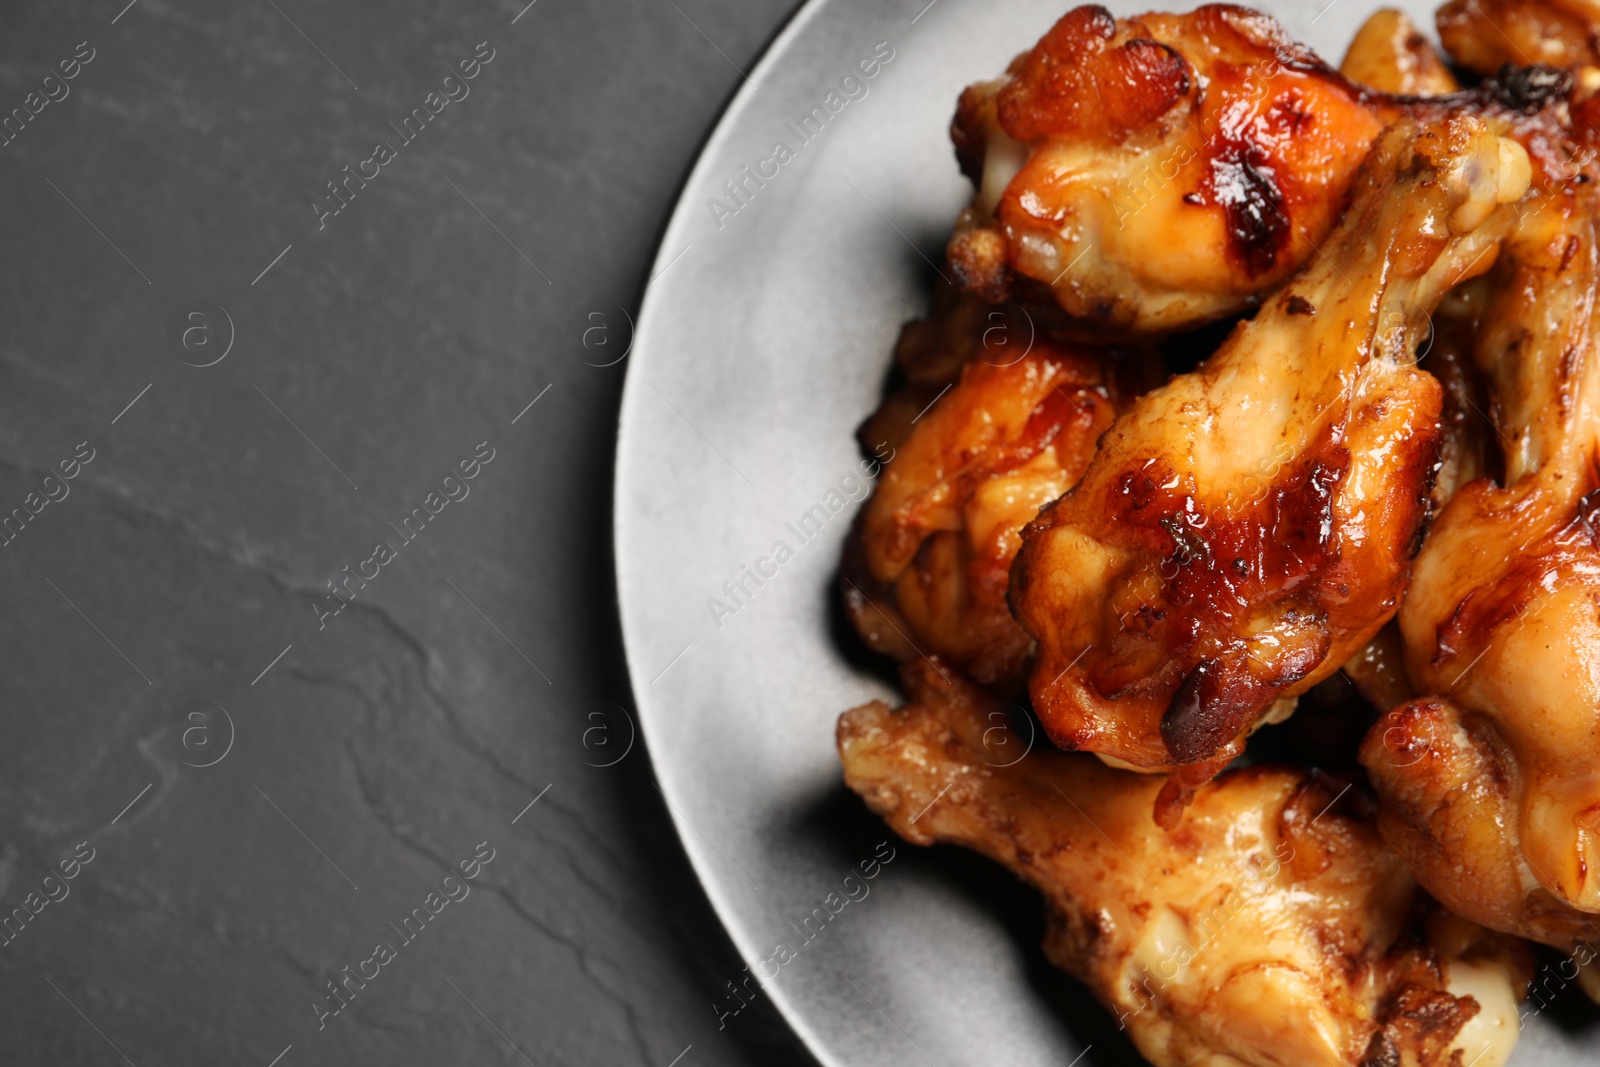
x=764, y=340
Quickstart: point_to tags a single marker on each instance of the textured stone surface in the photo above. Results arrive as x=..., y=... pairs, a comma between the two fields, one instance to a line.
x=253, y=833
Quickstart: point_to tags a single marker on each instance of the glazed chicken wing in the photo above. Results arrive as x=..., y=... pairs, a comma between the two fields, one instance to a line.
x=1485, y=35
x=1273, y=929
x=1147, y=175
x=1245, y=528
x=1154, y=173
x=1490, y=785
x=926, y=565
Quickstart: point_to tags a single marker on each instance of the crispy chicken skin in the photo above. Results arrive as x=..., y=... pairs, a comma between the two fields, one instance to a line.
x=929, y=356
x=1485, y=35
x=1273, y=928
x=1490, y=784
x=927, y=563
x=1390, y=55
x=1155, y=173
x=1245, y=528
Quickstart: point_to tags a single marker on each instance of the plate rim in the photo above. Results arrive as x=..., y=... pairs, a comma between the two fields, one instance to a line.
x=683, y=208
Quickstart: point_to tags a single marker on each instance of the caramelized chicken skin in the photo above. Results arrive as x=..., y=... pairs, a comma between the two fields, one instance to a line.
x=1391, y=55
x=1247, y=527
x=1158, y=172
x=926, y=566
x=1378, y=668
x=1486, y=35
x=1490, y=784
x=1273, y=928
x=1148, y=175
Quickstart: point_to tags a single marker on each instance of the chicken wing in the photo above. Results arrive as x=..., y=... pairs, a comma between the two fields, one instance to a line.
x=1274, y=928
x=1148, y=175
x=1245, y=528
x=1154, y=173
x=926, y=565
x=1490, y=785
x=1389, y=54
x=1486, y=35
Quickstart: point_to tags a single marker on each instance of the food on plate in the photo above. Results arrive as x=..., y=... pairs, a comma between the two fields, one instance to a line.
x=926, y=567
x=1252, y=376
x=1245, y=528
x=1273, y=928
x=1154, y=173
x=1486, y=35
x=1490, y=781
x=1145, y=175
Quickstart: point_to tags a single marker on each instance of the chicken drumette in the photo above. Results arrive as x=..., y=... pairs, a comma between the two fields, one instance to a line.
x=1490, y=784
x=1273, y=928
x=1245, y=528
x=1390, y=55
x=1154, y=173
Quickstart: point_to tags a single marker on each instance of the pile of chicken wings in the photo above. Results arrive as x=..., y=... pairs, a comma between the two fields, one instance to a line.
x=1249, y=380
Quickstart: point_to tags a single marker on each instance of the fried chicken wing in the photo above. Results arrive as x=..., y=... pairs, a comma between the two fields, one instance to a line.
x=1247, y=527
x=1486, y=35
x=1154, y=173
x=927, y=563
x=1490, y=784
x=1389, y=54
x=1274, y=928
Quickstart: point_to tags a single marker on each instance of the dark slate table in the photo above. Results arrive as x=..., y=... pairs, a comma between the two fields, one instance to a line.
x=265, y=785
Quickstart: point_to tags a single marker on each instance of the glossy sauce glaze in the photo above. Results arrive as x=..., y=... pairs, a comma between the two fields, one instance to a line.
x=1245, y=528
x=1151, y=174
x=1488, y=783
x=926, y=567
x=1272, y=927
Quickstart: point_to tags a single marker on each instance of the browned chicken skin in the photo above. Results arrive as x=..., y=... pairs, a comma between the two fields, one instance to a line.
x=1148, y=175
x=1274, y=928
x=927, y=563
x=1485, y=35
x=1390, y=54
x=1154, y=173
x=1244, y=529
x=1490, y=785
x=1219, y=545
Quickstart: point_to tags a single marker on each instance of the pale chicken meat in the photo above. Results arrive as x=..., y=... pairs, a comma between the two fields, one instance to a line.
x=1273, y=929
x=1246, y=528
x=926, y=566
x=1490, y=782
x=1391, y=55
